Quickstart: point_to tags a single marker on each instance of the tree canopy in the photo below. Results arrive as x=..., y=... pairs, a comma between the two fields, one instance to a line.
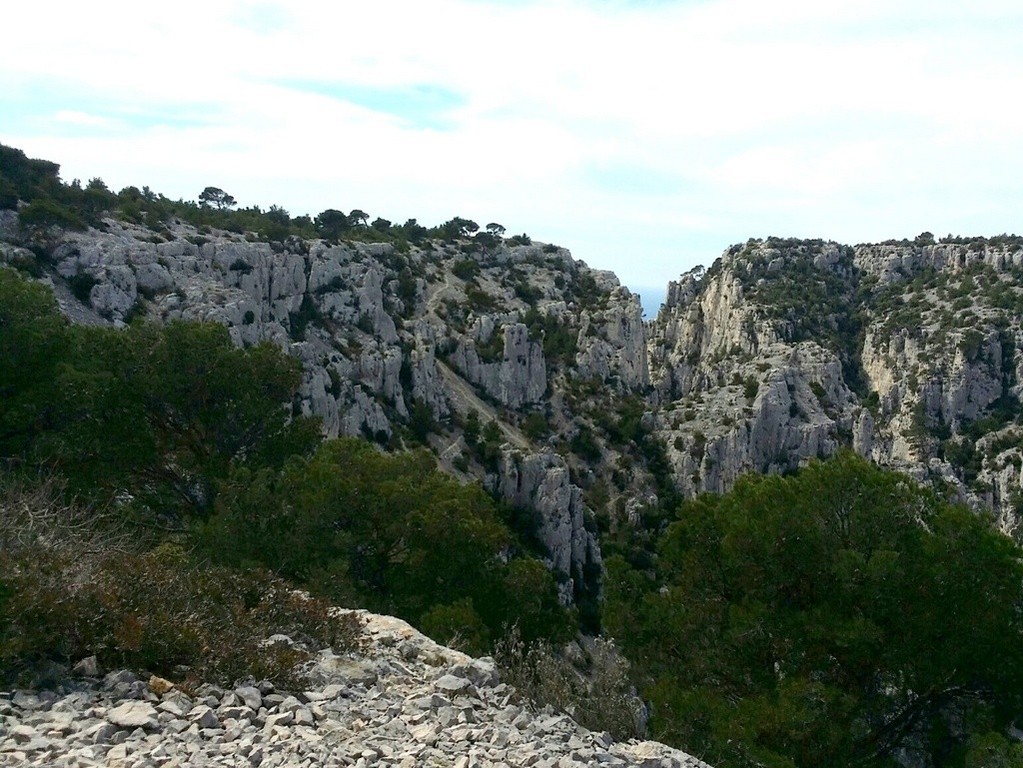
x=217, y=197
x=390, y=533
x=827, y=619
x=161, y=413
x=175, y=426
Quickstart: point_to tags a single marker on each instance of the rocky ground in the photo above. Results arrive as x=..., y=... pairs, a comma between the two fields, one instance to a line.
x=402, y=701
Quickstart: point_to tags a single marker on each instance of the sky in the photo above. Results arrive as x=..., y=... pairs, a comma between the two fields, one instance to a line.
x=645, y=136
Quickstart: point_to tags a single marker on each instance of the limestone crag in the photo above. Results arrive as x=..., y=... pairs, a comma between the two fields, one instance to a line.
x=541, y=482
x=787, y=350
x=402, y=701
x=519, y=377
x=380, y=332
x=780, y=352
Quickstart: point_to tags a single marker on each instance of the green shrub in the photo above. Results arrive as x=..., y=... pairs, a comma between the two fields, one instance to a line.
x=465, y=269
x=457, y=625
x=81, y=285
x=831, y=618
x=45, y=213
x=386, y=532
x=535, y=426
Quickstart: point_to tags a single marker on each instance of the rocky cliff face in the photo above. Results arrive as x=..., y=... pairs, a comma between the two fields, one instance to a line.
x=445, y=332
x=782, y=351
x=788, y=350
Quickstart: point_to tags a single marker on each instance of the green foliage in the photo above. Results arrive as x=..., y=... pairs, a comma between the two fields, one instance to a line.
x=751, y=387
x=308, y=313
x=33, y=339
x=81, y=285
x=388, y=532
x=26, y=179
x=421, y=422
x=826, y=619
x=459, y=626
x=586, y=290
x=49, y=213
x=970, y=343
x=70, y=206
x=584, y=445
x=457, y=228
x=159, y=413
x=216, y=197
x=331, y=223
x=492, y=350
x=559, y=342
x=484, y=442
x=535, y=426
x=478, y=299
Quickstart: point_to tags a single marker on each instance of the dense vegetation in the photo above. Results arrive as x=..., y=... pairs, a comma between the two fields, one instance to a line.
x=833, y=618
x=171, y=437
x=47, y=201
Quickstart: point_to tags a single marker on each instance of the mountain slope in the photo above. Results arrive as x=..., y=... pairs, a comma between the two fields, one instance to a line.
x=908, y=353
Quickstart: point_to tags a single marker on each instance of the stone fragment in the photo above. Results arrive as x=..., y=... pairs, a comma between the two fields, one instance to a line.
x=159, y=685
x=133, y=714
x=204, y=717
x=87, y=667
x=251, y=696
x=452, y=684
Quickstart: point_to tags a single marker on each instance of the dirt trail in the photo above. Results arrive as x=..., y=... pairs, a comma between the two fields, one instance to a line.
x=464, y=399
x=461, y=394
x=434, y=300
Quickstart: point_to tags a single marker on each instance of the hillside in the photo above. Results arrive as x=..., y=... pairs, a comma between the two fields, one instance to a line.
x=514, y=367
x=404, y=701
x=908, y=353
x=782, y=351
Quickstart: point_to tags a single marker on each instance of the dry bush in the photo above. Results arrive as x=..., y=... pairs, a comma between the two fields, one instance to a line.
x=595, y=691
x=72, y=586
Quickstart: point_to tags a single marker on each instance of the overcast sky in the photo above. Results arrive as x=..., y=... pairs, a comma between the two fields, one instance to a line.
x=644, y=136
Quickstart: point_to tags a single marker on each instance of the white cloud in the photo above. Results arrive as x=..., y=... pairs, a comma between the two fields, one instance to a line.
x=646, y=137
x=74, y=117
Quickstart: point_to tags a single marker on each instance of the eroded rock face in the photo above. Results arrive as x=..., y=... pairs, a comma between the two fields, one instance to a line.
x=788, y=350
x=783, y=351
x=542, y=482
x=381, y=333
x=519, y=377
x=613, y=342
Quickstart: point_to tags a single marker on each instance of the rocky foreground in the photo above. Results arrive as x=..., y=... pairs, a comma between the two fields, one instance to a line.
x=402, y=701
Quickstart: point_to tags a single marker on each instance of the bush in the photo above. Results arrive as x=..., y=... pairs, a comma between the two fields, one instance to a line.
x=81, y=285
x=599, y=695
x=75, y=585
x=832, y=618
x=387, y=532
x=535, y=426
x=465, y=269
x=48, y=213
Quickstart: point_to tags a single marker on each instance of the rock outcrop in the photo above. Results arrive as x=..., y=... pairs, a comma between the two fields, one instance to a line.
x=781, y=352
x=402, y=701
x=789, y=350
x=381, y=333
x=542, y=483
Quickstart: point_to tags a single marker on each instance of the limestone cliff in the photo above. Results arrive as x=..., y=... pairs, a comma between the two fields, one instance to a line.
x=524, y=368
x=442, y=334
x=787, y=350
